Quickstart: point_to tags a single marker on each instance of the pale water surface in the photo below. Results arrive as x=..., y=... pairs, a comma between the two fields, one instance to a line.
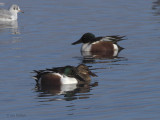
x=127, y=87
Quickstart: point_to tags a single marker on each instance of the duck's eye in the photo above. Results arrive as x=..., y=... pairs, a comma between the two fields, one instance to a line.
x=72, y=71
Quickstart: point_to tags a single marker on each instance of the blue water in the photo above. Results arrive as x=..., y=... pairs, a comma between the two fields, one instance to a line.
x=128, y=87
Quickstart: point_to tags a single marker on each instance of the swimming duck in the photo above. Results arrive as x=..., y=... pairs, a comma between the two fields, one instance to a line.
x=63, y=75
x=106, y=44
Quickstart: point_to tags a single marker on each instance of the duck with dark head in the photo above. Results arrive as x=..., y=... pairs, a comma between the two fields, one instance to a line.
x=105, y=47
x=59, y=77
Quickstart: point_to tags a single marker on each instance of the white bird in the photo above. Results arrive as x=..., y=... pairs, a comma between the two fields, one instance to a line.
x=11, y=14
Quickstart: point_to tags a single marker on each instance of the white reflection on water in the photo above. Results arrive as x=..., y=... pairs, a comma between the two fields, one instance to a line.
x=70, y=92
x=57, y=90
x=13, y=25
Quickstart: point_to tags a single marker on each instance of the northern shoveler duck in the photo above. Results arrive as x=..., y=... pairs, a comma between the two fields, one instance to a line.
x=63, y=75
x=107, y=44
x=11, y=14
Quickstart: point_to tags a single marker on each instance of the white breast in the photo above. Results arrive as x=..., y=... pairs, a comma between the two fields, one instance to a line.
x=86, y=47
x=115, y=50
x=67, y=80
x=68, y=87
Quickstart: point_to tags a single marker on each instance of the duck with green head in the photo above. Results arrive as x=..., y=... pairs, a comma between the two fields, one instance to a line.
x=63, y=75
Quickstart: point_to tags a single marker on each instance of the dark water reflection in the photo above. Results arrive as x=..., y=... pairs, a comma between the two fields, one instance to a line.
x=156, y=7
x=69, y=92
x=91, y=60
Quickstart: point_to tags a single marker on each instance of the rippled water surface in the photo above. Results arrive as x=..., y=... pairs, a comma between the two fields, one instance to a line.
x=127, y=86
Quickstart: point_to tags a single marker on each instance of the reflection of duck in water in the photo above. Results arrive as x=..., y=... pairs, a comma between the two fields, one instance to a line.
x=63, y=79
x=99, y=47
x=156, y=7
